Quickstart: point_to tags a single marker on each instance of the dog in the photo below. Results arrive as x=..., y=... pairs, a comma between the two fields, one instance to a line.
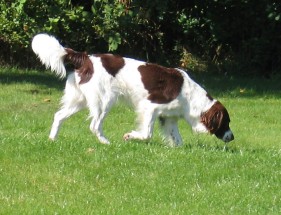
x=154, y=91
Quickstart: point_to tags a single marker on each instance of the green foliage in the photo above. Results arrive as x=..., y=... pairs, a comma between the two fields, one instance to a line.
x=242, y=32
x=235, y=36
x=108, y=23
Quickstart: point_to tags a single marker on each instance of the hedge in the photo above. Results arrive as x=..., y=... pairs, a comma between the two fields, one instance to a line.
x=240, y=36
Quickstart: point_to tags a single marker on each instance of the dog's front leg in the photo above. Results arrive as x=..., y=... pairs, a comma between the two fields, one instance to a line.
x=146, y=123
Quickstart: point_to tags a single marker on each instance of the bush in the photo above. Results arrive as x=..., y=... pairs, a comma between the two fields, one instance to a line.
x=240, y=36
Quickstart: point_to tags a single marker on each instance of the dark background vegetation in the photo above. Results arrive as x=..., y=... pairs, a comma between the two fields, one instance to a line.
x=227, y=36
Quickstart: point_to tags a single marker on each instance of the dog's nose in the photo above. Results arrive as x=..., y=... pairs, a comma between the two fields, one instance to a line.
x=228, y=137
x=231, y=137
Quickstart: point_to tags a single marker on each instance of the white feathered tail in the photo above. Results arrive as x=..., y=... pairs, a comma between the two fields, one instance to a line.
x=50, y=52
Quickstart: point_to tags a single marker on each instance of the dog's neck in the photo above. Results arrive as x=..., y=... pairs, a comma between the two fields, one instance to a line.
x=194, y=91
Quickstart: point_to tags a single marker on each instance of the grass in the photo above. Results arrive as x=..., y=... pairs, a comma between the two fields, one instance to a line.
x=77, y=175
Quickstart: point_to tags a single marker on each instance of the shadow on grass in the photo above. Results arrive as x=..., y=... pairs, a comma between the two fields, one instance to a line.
x=47, y=79
x=216, y=85
x=219, y=147
x=235, y=86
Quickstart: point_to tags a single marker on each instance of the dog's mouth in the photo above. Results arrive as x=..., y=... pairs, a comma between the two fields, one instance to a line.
x=226, y=137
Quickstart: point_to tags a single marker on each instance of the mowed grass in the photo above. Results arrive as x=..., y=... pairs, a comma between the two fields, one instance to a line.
x=78, y=175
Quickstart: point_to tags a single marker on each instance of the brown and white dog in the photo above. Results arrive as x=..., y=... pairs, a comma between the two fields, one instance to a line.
x=153, y=90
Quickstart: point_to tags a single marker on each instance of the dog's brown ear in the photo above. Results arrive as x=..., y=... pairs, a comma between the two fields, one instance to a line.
x=217, y=120
x=212, y=120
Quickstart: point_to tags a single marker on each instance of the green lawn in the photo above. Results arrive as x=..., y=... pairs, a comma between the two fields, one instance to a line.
x=77, y=175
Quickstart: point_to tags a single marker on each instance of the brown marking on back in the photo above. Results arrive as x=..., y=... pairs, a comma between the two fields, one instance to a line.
x=163, y=84
x=111, y=63
x=82, y=64
x=216, y=119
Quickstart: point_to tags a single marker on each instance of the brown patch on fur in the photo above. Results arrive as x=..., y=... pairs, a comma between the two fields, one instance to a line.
x=82, y=64
x=216, y=119
x=163, y=84
x=112, y=63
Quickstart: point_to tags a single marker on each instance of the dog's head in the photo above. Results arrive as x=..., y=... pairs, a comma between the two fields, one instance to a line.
x=216, y=120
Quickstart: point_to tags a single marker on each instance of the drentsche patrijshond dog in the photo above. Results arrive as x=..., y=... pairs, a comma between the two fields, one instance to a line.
x=155, y=92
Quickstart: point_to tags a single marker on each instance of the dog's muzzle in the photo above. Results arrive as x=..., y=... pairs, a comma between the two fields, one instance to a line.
x=228, y=136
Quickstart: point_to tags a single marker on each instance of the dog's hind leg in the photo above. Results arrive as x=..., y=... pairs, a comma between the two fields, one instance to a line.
x=72, y=102
x=61, y=116
x=170, y=131
x=96, y=127
x=99, y=115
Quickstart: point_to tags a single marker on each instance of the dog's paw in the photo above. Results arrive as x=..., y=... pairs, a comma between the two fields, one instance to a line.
x=106, y=142
x=135, y=135
x=127, y=136
x=52, y=139
x=103, y=140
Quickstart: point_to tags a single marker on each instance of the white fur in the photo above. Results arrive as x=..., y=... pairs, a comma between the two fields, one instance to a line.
x=50, y=53
x=102, y=91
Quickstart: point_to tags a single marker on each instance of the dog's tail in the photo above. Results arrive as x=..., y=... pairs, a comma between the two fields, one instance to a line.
x=53, y=55
x=50, y=52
